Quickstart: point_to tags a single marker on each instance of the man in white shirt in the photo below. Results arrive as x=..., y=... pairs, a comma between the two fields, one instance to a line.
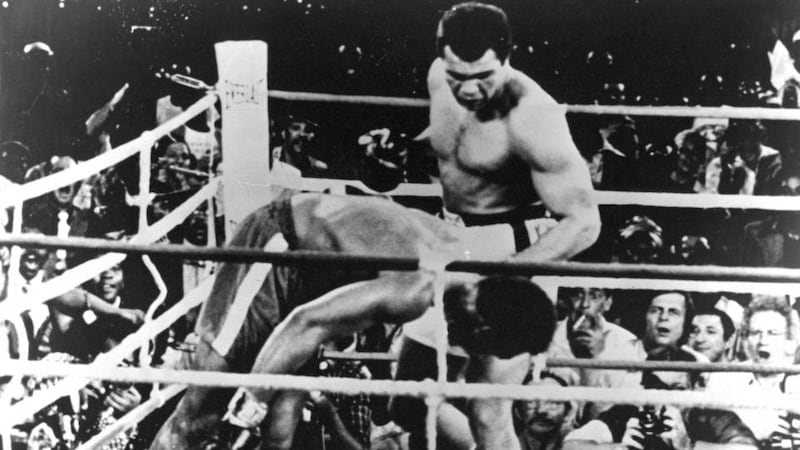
x=585, y=333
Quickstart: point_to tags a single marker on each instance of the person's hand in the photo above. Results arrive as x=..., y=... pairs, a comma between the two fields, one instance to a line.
x=134, y=317
x=787, y=424
x=322, y=405
x=586, y=336
x=93, y=390
x=123, y=400
x=118, y=96
x=676, y=436
x=633, y=435
x=698, y=357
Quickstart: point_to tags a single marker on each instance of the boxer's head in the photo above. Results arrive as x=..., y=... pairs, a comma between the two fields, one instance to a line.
x=474, y=41
x=501, y=316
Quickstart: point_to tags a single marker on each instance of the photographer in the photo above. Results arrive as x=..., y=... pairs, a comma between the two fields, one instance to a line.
x=663, y=427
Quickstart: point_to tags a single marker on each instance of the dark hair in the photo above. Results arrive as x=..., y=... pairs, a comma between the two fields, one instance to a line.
x=743, y=130
x=470, y=29
x=506, y=316
x=724, y=318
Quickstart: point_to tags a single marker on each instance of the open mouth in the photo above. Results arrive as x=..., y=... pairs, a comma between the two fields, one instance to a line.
x=763, y=354
x=542, y=422
x=662, y=331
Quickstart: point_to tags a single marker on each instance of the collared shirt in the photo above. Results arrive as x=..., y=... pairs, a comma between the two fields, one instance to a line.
x=762, y=422
x=354, y=410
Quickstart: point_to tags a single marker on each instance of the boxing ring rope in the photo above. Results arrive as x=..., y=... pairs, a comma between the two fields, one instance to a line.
x=45, y=368
x=773, y=281
x=21, y=192
x=299, y=257
x=129, y=420
x=77, y=275
x=346, y=386
x=723, y=112
x=660, y=199
x=774, y=203
x=83, y=272
x=100, y=368
x=604, y=364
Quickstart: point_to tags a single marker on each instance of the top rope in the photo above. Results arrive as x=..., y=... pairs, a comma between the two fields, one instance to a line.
x=722, y=112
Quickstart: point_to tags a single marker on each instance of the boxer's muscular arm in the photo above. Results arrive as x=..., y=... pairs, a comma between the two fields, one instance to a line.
x=436, y=78
x=541, y=138
x=392, y=297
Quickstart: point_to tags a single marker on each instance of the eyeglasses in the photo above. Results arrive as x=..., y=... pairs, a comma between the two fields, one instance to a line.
x=772, y=334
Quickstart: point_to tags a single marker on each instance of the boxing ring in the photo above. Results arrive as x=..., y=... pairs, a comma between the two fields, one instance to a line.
x=776, y=281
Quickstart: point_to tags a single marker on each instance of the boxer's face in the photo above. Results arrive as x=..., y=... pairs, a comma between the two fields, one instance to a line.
x=474, y=83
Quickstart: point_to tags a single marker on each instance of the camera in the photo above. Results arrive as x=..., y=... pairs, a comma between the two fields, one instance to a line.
x=777, y=442
x=790, y=440
x=651, y=424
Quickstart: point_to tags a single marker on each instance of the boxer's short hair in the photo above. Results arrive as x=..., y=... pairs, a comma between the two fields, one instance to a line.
x=470, y=29
x=511, y=315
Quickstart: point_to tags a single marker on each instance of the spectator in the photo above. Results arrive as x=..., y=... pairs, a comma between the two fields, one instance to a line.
x=775, y=240
x=654, y=167
x=171, y=154
x=770, y=335
x=339, y=422
x=39, y=111
x=294, y=154
x=27, y=332
x=542, y=424
x=611, y=166
x=686, y=164
x=665, y=329
x=667, y=321
x=745, y=166
x=692, y=250
x=78, y=316
x=711, y=334
x=48, y=211
x=585, y=333
x=638, y=241
x=662, y=427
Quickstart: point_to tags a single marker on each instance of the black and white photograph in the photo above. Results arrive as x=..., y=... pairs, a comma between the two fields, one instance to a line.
x=399, y=224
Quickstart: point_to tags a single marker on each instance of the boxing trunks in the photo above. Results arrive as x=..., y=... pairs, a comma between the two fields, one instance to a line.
x=249, y=300
x=492, y=237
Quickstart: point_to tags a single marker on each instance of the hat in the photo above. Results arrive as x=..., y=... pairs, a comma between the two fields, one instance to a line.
x=37, y=46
